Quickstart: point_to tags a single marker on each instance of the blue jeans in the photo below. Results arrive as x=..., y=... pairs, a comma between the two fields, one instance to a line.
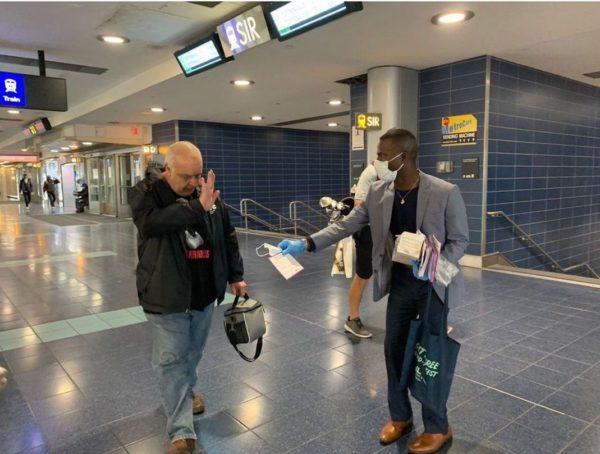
x=408, y=297
x=179, y=341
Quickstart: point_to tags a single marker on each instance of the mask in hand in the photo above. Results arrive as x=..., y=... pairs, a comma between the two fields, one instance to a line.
x=383, y=169
x=271, y=250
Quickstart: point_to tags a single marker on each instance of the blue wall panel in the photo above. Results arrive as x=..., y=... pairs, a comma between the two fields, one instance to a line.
x=544, y=165
x=454, y=89
x=273, y=166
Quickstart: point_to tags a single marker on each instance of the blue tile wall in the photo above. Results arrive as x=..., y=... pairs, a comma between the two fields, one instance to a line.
x=544, y=165
x=273, y=166
x=358, y=103
x=164, y=133
x=454, y=89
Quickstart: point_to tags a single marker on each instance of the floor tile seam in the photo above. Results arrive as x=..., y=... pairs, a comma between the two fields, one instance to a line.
x=527, y=400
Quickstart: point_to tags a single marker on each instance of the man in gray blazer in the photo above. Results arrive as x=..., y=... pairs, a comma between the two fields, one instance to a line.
x=404, y=199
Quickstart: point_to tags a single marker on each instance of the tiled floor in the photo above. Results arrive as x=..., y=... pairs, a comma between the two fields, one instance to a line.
x=78, y=351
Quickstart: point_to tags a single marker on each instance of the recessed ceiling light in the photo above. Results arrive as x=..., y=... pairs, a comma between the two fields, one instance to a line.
x=332, y=124
x=157, y=109
x=54, y=150
x=73, y=147
x=452, y=17
x=113, y=39
x=65, y=148
x=256, y=118
x=14, y=111
x=335, y=102
x=87, y=144
x=241, y=82
x=23, y=149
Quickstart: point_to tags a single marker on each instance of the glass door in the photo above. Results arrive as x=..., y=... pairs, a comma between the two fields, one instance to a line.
x=107, y=189
x=93, y=182
x=125, y=184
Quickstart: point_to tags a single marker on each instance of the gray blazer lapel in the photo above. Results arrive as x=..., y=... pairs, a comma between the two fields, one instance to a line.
x=387, y=205
x=422, y=198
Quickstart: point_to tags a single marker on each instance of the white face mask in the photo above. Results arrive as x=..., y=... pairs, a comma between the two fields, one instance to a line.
x=271, y=250
x=383, y=169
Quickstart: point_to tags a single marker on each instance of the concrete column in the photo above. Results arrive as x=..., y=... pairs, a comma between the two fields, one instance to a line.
x=392, y=91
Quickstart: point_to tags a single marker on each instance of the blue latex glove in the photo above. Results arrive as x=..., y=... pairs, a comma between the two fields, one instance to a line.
x=295, y=247
x=415, y=268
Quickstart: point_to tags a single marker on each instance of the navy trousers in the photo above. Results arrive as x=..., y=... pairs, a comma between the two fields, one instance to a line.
x=408, y=297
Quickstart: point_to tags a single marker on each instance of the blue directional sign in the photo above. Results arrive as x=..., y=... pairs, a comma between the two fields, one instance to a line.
x=12, y=90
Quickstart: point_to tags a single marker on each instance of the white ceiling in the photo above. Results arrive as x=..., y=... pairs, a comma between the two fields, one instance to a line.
x=295, y=78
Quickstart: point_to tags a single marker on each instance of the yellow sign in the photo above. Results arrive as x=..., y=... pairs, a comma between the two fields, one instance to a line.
x=459, y=130
x=368, y=121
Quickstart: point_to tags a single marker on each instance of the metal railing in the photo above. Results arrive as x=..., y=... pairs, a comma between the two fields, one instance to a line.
x=283, y=224
x=526, y=238
x=293, y=209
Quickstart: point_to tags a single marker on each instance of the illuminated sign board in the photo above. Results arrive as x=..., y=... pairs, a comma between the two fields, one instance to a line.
x=18, y=158
x=12, y=89
x=368, y=121
x=244, y=31
x=37, y=127
x=299, y=16
x=201, y=56
x=33, y=92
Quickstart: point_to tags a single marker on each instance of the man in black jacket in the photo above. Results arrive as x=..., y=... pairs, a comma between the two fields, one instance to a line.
x=188, y=252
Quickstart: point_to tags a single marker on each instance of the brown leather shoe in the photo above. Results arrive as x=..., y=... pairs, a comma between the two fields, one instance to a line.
x=182, y=446
x=197, y=403
x=393, y=430
x=428, y=443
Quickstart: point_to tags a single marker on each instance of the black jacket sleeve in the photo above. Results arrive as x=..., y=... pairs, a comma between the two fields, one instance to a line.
x=154, y=220
x=235, y=265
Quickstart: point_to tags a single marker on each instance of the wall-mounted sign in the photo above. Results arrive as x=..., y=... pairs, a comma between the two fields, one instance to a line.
x=459, y=130
x=368, y=121
x=37, y=127
x=358, y=139
x=18, y=158
x=33, y=92
x=243, y=32
x=470, y=168
x=12, y=87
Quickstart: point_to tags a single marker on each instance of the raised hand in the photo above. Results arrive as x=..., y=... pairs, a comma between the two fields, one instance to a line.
x=208, y=193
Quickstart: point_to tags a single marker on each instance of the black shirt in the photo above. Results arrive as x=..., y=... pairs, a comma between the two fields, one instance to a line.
x=404, y=216
x=200, y=261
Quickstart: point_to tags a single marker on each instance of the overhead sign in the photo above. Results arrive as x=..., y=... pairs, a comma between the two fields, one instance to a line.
x=18, y=158
x=243, y=32
x=37, y=127
x=368, y=121
x=201, y=56
x=459, y=130
x=33, y=92
x=289, y=19
x=12, y=87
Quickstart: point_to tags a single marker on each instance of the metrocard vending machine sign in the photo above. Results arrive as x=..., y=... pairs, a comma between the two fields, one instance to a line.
x=12, y=89
x=459, y=130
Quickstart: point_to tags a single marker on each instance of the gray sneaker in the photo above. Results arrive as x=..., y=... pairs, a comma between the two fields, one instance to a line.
x=356, y=327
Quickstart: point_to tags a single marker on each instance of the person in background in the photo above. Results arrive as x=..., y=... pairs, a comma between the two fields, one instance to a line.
x=26, y=188
x=364, y=266
x=50, y=189
x=188, y=252
x=404, y=199
x=82, y=196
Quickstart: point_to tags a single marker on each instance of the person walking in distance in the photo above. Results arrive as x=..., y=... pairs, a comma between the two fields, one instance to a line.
x=26, y=188
x=50, y=189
